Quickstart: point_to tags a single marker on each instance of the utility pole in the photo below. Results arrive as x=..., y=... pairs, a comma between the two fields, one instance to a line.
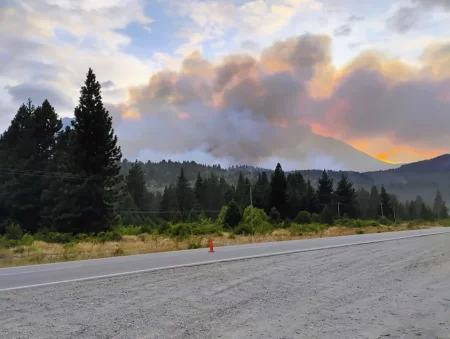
x=251, y=203
x=339, y=210
x=381, y=204
x=393, y=209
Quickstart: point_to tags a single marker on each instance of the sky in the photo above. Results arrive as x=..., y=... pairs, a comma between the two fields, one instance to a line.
x=240, y=81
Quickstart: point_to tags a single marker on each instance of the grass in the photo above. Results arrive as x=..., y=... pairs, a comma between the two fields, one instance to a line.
x=30, y=252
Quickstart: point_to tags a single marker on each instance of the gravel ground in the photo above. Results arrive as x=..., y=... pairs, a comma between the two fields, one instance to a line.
x=397, y=289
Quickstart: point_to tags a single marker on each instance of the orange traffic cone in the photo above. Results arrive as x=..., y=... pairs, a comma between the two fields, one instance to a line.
x=211, y=246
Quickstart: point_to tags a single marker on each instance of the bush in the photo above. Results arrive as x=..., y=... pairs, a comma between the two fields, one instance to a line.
x=109, y=236
x=303, y=217
x=263, y=228
x=14, y=232
x=259, y=216
x=233, y=215
x=54, y=237
x=27, y=240
x=315, y=218
x=384, y=221
x=287, y=223
x=274, y=216
x=327, y=216
x=181, y=231
x=163, y=227
x=244, y=229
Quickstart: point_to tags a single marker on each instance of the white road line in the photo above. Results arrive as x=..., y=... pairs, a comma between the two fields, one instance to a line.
x=218, y=261
x=38, y=271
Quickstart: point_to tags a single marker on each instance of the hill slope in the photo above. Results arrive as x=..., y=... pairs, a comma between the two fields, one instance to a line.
x=420, y=178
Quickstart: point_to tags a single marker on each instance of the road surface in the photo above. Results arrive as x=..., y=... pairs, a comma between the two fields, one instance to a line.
x=392, y=289
x=41, y=275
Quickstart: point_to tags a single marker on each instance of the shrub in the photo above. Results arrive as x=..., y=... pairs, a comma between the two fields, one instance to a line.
x=360, y=231
x=221, y=217
x=287, y=223
x=274, y=216
x=300, y=229
x=263, y=228
x=27, y=240
x=163, y=227
x=303, y=217
x=315, y=218
x=259, y=216
x=384, y=221
x=244, y=229
x=14, y=232
x=181, y=231
x=327, y=216
x=233, y=215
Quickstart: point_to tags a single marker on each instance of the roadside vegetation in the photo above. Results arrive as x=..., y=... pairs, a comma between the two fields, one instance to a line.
x=17, y=248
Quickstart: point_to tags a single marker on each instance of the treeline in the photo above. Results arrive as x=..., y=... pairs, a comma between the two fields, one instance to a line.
x=69, y=181
x=281, y=197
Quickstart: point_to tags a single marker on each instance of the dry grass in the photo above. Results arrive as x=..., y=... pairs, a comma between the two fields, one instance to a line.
x=41, y=252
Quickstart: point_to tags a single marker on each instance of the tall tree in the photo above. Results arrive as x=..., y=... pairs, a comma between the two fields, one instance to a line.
x=278, y=195
x=346, y=197
x=385, y=203
x=311, y=202
x=185, y=195
x=199, y=191
x=89, y=203
x=262, y=192
x=296, y=190
x=374, y=203
x=325, y=190
x=439, y=206
x=33, y=133
x=135, y=185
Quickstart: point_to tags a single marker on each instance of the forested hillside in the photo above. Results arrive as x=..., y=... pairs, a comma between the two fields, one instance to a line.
x=71, y=180
x=407, y=182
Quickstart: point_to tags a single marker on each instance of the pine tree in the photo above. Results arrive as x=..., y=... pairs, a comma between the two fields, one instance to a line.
x=438, y=203
x=296, y=190
x=262, y=192
x=185, y=195
x=164, y=207
x=199, y=191
x=311, y=202
x=278, y=195
x=325, y=190
x=89, y=203
x=346, y=197
x=374, y=203
x=29, y=146
x=385, y=204
x=135, y=185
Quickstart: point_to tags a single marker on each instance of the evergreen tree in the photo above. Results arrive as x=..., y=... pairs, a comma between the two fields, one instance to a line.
x=296, y=189
x=385, y=204
x=374, y=203
x=325, y=190
x=311, y=202
x=439, y=206
x=185, y=196
x=261, y=192
x=199, y=191
x=32, y=140
x=88, y=205
x=278, y=196
x=135, y=185
x=346, y=197
x=362, y=201
x=164, y=207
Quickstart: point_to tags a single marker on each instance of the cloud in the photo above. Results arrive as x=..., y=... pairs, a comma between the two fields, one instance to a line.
x=249, y=109
x=444, y=4
x=343, y=30
x=41, y=60
x=355, y=18
x=404, y=19
x=39, y=93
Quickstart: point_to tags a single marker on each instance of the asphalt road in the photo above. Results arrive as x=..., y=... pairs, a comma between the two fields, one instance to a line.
x=48, y=274
x=385, y=290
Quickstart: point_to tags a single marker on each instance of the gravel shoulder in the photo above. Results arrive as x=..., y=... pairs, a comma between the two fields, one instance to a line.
x=396, y=289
